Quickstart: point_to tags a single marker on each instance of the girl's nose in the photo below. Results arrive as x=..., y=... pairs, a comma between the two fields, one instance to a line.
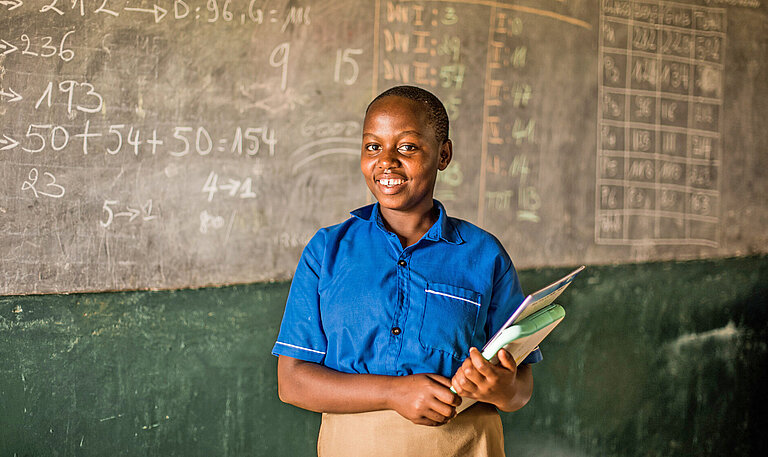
x=388, y=158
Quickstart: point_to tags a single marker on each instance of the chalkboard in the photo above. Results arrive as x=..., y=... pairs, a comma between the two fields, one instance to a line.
x=676, y=370
x=165, y=144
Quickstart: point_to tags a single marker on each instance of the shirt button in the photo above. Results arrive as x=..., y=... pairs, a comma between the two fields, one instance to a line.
x=396, y=331
x=402, y=263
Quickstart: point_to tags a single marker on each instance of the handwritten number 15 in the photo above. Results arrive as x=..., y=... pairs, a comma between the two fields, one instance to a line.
x=345, y=57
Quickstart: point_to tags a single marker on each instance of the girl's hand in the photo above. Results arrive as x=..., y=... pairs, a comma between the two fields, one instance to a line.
x=496, y=384
x=424, y=399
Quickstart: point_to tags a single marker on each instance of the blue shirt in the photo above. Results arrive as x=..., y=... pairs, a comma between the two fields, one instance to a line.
x=360, y=303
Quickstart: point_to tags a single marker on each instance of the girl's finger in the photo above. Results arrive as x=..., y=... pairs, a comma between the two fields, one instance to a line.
x=506, y=360
x=440, y=379
x=480, y=364
x=468, y=380
x=439, y=413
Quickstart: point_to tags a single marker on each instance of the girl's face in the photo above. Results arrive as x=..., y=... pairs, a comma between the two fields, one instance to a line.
x=400, y=155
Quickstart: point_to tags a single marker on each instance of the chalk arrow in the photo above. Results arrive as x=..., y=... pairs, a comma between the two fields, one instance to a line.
x=157, y=11
x=131, y=214
x=6, y=45
x=9, y=142
x=232, y=187
x=148, y=211
x=11, y=4
x=14, y=97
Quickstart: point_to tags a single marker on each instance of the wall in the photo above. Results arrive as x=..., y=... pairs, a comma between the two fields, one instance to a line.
x=180, y=144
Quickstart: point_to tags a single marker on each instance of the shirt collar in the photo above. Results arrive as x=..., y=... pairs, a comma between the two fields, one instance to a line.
x=443, y=229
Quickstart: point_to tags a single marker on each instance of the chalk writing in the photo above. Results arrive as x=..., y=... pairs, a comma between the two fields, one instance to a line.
x=50, y=187
x=232, y=187
x=279, y=59
x=507, y=123
x=324, y=147
x=312, y=128
x=499, y=200
x=422, y=54
x=292, y=240
x=657, y=176
x=450, y=179
x=10, y=95
x=210, y=222
x=121, y=138
x=44, y=47
x=12, y=4
x=245, y=140
x=213, y=11
x=126, y=213
x=92, y=101
x=344, y=57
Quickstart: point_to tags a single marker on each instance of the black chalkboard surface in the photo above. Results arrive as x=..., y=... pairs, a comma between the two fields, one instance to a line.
x=165, y=144
x=648, y=361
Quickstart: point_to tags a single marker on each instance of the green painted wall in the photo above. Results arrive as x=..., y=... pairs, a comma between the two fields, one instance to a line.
x=667, y=359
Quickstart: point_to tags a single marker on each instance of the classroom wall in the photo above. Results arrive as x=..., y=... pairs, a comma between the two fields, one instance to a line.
x=158, y=147
x=652, y=359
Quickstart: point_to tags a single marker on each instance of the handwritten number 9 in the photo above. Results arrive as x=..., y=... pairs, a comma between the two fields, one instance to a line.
x=213, y=7
x=279, y=58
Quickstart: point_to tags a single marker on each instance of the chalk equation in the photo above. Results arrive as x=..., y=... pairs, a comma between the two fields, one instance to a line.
x=115, y=210
x=115, y=139
x=420, y=47
x=231, y=186
x=203, y=11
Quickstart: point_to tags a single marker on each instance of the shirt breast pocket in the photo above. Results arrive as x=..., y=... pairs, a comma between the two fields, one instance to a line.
x=450, y=317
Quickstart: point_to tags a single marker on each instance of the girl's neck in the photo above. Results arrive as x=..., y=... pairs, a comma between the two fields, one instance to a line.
x=409, y=226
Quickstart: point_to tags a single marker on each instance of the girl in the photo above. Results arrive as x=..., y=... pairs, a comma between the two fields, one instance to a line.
x=386, y=310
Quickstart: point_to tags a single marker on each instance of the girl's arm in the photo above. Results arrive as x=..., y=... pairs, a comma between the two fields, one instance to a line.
x=423, y=398
x=505, y=385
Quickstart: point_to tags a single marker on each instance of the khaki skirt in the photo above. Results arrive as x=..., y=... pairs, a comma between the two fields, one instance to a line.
x=476, y=432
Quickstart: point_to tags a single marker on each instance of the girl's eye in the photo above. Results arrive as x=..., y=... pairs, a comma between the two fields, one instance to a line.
x=372, y=147
x=406, y=148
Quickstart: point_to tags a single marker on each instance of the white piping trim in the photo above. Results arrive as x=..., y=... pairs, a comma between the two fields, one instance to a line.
x=299, y=347
x=430, y=291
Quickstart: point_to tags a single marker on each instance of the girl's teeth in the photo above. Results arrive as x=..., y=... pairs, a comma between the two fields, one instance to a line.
x=391, y=182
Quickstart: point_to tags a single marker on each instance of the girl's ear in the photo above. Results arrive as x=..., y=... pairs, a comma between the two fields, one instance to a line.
x=446, y=154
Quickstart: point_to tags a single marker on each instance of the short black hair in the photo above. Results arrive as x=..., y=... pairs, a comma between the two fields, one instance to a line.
x=437, y=117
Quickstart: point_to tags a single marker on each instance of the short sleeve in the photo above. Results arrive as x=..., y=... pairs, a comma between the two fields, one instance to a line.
x=533, y=357
x=507, y=296
x=301, y=334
